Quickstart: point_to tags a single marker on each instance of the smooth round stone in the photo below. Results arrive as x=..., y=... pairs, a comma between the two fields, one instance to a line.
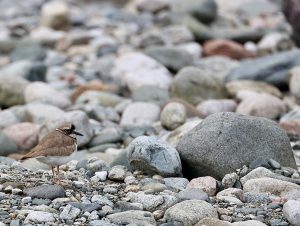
x=291, y=210
x=173, y=115
x=193, y=194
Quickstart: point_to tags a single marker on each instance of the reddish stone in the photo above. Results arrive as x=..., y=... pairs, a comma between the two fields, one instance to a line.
x=227, y=48
x=25, y=134
x=207, y=184
x=292, y=126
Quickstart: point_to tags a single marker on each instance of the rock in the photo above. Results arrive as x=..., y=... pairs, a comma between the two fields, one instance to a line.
x=151, y=94
x=248, y=223
x=274, y=42
x=272, y=69
x=226, y=48
x=140, y=113
x=12, y=90
x=210, y=107
x=176, y=182
x=171, y=57
x=259, y=172
x=292, y=127
x=101, y=223
x=55, y=15
x=195, y=85
x=193, y=194
x=102, y=200
x=212, y=222
x=294, y=82
x=137, y=217
x=264, y=105
x=153, y=156
x=204, y=10
x=149, y=202
x=10, y=118
x=45, y=192
x=152, y=6
x=176, y=34
x=234, y=87
x=39, y=113
x=215, y=131
x=174, y=137
x=117, y=173
x=229, y=180
x=69, y=213
x=40, y=92
x=291, y=12
x=190, y=212
x=32, y=71
x=232, y=192
x=207, y=184
x=273, y=186
x=32, y=52
x=7, y=145
x=39, y=217
x=291, y=211
x=134, y=70
x=46, y=36
x=25, y=135
x=104, y=99
x=173, y=115
x=192, y=48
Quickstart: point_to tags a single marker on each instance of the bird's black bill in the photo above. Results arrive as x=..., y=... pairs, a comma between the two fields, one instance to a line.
x=79, y=134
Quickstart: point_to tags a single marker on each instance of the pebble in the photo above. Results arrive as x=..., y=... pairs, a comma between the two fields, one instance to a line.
x=69, y=213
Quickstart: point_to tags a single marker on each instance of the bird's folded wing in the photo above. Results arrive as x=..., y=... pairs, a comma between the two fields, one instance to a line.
x=54, y=144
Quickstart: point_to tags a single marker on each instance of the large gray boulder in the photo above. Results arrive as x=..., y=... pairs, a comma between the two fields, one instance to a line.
x=224, y=142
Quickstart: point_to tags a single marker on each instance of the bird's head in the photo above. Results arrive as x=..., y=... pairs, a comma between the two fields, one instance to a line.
x=68, y=129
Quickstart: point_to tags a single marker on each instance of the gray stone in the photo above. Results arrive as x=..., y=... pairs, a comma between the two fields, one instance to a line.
x=176, y=182
x=195, y=85
x=200, y=149
x=193, y=194
x=291, y=211
x=140, y=113
x=171, y=57
x=40, y=92
x=29, y=52
x=149, y=202
x=254, y=197
x=45, y=192
x=12, y=90
x=89, y=207
x=173, y=115
x=273, y=69
x=99, y=98
x=7, y=146
x=229, y=180
x=39, y=217
x=117, y=173
x=152, y=94
x=107, y=135
x=204, y=10
x=102, y=200
x=101, y=223
x=142, y=218
x=190, y=212
x=153, y=156
x=69, y=213
x=10, y=118
x=32, y=71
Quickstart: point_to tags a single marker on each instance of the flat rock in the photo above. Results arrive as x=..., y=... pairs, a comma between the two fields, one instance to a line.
x=154, y=156
x=39, y=217
x=45, y=192
x=200, y=149
x=137, y=217
x=272, y=69
x=273, y=186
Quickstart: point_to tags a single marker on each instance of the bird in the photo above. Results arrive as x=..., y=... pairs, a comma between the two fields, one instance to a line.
x=56, y=148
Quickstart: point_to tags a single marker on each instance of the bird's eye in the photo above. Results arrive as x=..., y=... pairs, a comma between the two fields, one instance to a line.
x=72, y=127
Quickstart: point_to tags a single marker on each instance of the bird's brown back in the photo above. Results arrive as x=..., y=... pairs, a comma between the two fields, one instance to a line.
x=54, y=144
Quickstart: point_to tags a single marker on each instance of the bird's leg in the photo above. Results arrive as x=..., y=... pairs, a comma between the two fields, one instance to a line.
x=53, y=172
x=57, y=167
